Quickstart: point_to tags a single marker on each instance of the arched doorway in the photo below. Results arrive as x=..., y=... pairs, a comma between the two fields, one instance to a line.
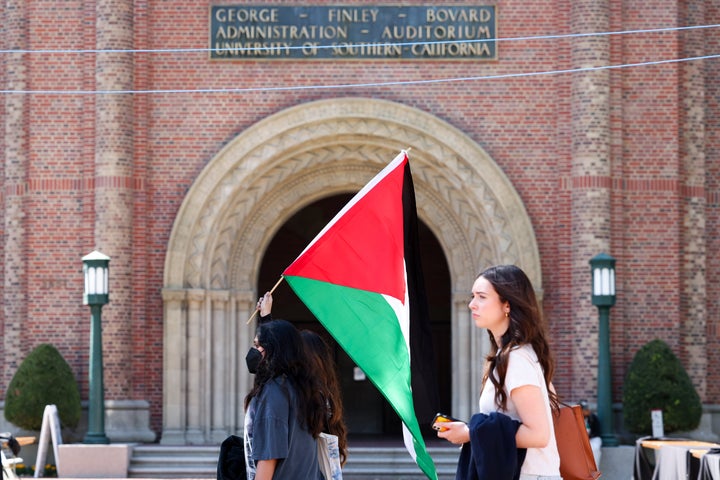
x=366, y=411
x=276, y=168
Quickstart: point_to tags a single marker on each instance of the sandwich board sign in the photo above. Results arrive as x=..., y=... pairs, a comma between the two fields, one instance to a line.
x=50, y=427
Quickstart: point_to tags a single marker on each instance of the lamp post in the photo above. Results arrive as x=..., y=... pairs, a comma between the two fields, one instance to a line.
x=603, y=297
x=95, y=269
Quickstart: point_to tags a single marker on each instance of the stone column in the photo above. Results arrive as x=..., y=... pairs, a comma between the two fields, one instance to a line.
x=245, y=334
x=693, y=301
x=197, y=358
x=467, y=360
x=590, y=183
x=174, y=365
x=220, y=365
x=15, y=189
x=114, y=185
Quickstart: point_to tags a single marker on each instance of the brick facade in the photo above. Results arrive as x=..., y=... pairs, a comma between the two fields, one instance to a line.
x=625, y=161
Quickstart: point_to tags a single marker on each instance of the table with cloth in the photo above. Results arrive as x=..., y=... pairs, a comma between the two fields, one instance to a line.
x=676, y=459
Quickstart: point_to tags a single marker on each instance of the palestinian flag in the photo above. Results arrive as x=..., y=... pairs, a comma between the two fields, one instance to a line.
x=361, y=278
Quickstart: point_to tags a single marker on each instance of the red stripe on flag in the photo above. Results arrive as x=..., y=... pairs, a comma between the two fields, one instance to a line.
x=364, y=248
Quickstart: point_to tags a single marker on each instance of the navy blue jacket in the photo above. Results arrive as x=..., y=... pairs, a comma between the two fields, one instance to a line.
x=491, y=452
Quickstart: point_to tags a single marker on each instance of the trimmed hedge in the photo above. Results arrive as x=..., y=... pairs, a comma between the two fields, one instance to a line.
x=43, y=378
x=657, y=380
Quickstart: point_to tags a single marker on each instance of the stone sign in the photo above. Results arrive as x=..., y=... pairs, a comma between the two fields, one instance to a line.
x=352, y=32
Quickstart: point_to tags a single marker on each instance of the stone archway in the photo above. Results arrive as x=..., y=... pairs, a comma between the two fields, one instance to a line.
x=272, y=170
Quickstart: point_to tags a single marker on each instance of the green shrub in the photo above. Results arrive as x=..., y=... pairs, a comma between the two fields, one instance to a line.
x=43, y=378
x=657, y=380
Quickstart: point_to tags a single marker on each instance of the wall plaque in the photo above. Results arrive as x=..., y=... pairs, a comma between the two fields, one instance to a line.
x=352, y=32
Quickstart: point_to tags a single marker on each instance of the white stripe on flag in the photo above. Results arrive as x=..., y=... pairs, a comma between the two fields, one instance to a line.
x=409, y=443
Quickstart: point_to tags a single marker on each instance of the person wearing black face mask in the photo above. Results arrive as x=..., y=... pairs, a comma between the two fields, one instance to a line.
x=253, y=358
x=323, y=366
x=284, y=413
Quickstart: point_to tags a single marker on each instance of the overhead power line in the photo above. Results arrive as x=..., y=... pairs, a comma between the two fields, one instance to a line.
x=367, y=84
x=359, y=85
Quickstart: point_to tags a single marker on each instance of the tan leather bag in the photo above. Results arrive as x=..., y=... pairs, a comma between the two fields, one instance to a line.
x=576, y=457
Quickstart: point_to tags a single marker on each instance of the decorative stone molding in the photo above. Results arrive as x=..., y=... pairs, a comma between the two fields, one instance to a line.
x=284, y=163
x=318, y=149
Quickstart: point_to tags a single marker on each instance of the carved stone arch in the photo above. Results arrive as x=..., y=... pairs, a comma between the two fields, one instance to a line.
x=275, y=168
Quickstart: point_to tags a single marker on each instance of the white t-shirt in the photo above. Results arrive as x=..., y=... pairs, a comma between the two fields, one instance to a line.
x=524, y=369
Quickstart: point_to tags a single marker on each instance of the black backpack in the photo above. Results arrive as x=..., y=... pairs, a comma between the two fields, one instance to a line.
x=231, y=462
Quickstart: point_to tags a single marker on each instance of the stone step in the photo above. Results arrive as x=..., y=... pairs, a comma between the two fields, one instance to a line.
x=364, y=463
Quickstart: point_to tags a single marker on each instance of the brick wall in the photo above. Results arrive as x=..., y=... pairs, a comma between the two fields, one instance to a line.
x=712, y=186
x=525, y=124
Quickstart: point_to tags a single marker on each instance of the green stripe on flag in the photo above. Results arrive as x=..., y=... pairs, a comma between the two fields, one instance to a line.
x=367, y=328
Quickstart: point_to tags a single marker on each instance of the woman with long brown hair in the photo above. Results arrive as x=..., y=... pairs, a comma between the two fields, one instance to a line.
x=519, y=369
x=322, y=362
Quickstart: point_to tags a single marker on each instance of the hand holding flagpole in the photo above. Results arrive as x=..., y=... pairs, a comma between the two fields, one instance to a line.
x=258, y=308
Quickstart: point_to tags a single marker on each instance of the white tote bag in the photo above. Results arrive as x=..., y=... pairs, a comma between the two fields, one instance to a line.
x=329, y=456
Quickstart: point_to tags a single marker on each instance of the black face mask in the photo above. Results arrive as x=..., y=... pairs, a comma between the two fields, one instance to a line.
x=253, y=359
